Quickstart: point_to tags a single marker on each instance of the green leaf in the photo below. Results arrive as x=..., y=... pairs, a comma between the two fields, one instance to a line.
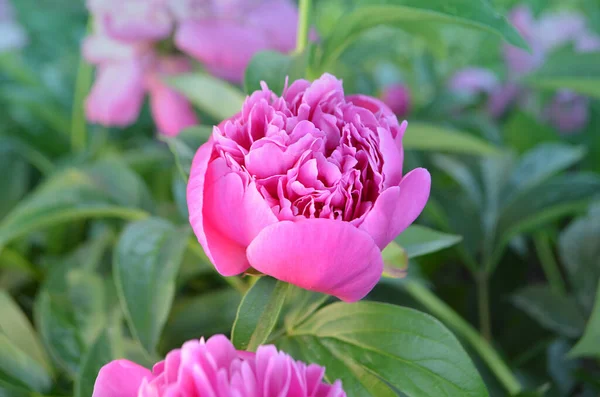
x=20, y=369
x=536, y=132
x=16, y=327
x=588, y=345
x=273, y=68
x=69, y=313
x=551, y=310
x=258, y=313
x=207, y=314
x=420, y=240
x=9, y=390
x=412, y=14
x=462, y=175
x=185, y=145
x=422, y=136
x=15, y=182
x=216, y=97
x=395, y=261
x=570, y=71
x=542, y=162
x=101, y=352
x=580, y=252
x=377, y=349
x=106, y=189
x=145, y=265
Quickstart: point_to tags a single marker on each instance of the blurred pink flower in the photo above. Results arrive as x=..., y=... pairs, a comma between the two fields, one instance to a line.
x=12, y=35
x=214, y=368
x=397, y=98
x=306, y=188
x=551, y=31
x=474, y=81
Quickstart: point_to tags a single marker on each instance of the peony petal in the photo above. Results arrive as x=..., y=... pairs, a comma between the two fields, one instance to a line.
x=172, y=112
x=120, y=378
x=398, y=207
x=322, y=255
x=224, y=47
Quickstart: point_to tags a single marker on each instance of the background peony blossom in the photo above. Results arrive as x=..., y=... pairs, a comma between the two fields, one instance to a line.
x=214, y=368
x=12, y=35
x=306, y=188
x=568, y=112
x=397, y=98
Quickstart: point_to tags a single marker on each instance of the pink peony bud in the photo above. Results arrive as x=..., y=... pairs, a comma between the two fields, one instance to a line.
x=117, y=95
x=214, y=368
x=397, y=98
x=172, y=112
x=306, y=187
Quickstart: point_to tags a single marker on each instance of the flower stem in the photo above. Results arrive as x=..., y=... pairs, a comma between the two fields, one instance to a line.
x=482, y=281
x=303, y=25
x=544, y=249
x=464, y=330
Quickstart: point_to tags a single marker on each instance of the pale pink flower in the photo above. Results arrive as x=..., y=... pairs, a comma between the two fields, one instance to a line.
x=307, y=188
x=214, y=368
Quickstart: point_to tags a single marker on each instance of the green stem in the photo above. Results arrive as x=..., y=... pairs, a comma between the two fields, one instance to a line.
x=463, y=329
x=544, y=250
x=303, y=25
x=482, y=281
x=83, y=83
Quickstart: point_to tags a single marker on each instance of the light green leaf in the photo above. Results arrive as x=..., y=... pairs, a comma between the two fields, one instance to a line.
x=106, y=189
x=412, y=14
x=579, y=249
x=588, y=345
x=273, y=68
x=420, y=240
x=207, y=314
x=20, y=369
x=551, y=310
x=258, y=313
x=216, y=97
x=395, y=261
x=101, y=352
x=69, y=313
x=16, y=327
x=377, y=349
x=423, y=136
x=570, y=71
x=145, y=265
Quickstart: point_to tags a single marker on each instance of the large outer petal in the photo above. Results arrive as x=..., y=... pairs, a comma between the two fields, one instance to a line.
x=396, y=208
x=322, y=255
x=120, y=378
x=117, y=95
x=224, y=47
x=225, y=213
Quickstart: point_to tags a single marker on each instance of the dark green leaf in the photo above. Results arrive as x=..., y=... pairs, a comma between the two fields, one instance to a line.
x=258, y=313
x=422, y=136
x=462, y=175
x=101, y=352
x=216, y=97
x=588, y=345
x=377, y=348
x=16, y=327
x=420, y=240
x=577, y=72
x=105, y=189
x=14, y=183
x=579, y=249
x=185, y=145
x=207, y=314
x=273, y=68
x=146, y=261
x=550, y=309
x=536, y=132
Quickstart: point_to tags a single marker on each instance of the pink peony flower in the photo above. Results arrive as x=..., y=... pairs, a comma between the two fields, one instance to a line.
x=306, y=188
x=214, y=368
x=397, y=98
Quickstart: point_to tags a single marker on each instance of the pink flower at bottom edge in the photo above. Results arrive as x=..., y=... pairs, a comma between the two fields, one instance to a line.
x=214, y=368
